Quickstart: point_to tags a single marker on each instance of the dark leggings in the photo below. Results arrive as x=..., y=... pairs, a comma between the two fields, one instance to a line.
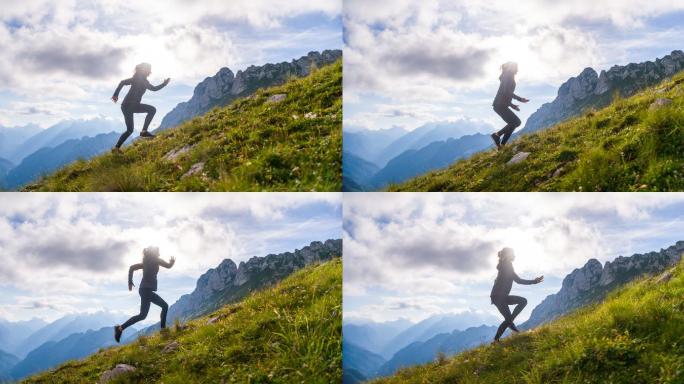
x=128, y=111
x=147, y=296
x=512, y=122
x=502, y=304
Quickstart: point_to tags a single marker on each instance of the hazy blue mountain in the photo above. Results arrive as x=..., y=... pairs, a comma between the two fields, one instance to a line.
x=360, y=360
x=367, y=144
x=65, y=326
x=48, y=159
x=357, y=171
x=73, y=346
x=426, y=134
x=7, y=362
x=224, y=87
x=352, y=376
x=436, y=155
x=61, y=132
x=349, y=185
x=374, y=336
x=13, y=333
x=421, y=352
x=434, y=325
x=5, y=166
x=12, y=137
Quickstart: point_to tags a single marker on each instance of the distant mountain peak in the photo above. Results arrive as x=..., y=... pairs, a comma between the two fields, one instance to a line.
x=224, y=86
x=228, y=282
x=590, y=283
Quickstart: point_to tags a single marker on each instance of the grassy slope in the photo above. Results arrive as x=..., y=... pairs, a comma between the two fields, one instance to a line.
x=624, y=147
x=290, y=333
x=250, y=145
x=635, y=336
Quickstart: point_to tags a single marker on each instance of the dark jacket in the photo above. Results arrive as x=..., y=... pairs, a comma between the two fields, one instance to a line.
x=505, y=94
x=505, y=278
x=150, y=267
x=139, y=85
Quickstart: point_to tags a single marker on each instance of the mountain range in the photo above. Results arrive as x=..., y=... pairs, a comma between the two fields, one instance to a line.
x=436, y=155
x=62, y=327
x=47, y=159
x=59, y=133
x=582, y=287
x=448, y=344
x=73, y=347
x=229, y=283
x=376, y=158
x=13, y=137
x=590, y=90
x=12, y=334
x=32, y=151
x=594, y=281
x=7, y=362
x=219, y=90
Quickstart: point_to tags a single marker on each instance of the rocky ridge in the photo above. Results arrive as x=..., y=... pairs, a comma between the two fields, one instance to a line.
x=225, y=86
x=230, y=282
x=593, y=281
x=590, y=89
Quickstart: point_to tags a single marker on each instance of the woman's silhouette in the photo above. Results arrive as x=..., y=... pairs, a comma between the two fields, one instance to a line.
x=500, y=295
x=131, y=103
x=504, y=100
x=148, y=284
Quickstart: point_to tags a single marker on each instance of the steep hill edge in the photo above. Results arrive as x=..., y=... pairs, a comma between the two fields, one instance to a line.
x=634, y=336
x=282, y=138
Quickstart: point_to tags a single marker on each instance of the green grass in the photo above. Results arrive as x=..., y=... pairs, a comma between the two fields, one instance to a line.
x=636, y=335
x=624, y=147
x=291, y=333
x=249, y=145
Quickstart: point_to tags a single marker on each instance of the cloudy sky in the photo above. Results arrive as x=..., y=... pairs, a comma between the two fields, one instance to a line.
x=70, y=253
x=413, y=255
x=63, y=58
x=410, y=62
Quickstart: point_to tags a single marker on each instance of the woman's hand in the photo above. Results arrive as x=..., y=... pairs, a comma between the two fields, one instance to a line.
x=172, y=261
x=538, y=279
x=515, y=107
x=167, y=80
x=524, y=100
x=130, y=286
x=115, y=99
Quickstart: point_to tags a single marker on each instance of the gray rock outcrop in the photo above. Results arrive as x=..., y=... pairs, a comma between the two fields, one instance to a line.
x=593, y=281
x=593, y=90
x=115, y=372
x=518, y=158
x=225, y=86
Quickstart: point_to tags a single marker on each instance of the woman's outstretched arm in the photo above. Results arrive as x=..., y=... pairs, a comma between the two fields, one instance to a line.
x=167, y=264
x=132, y=269
x=157, y=87
x=115, y=97
x=519, y=280
x=520, y=99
